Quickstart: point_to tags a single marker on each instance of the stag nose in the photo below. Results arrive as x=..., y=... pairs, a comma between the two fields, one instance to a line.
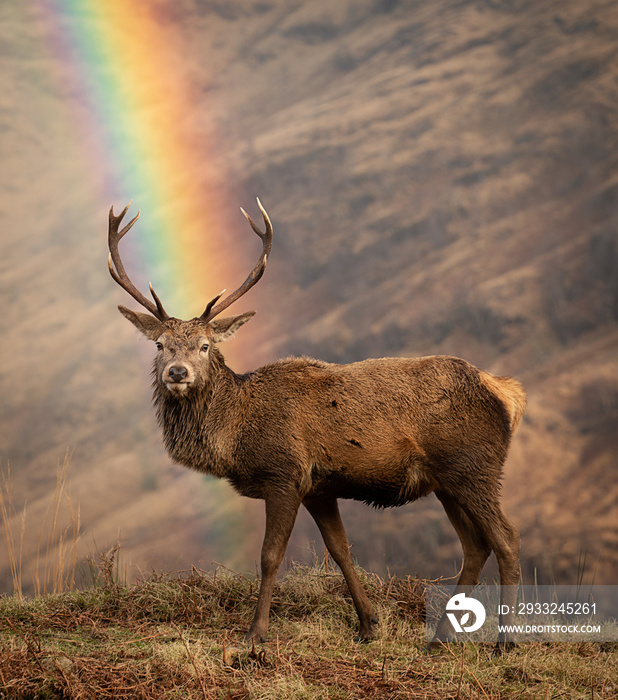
x=177, y=373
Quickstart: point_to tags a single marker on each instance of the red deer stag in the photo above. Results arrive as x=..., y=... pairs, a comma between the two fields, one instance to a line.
x=305, y=432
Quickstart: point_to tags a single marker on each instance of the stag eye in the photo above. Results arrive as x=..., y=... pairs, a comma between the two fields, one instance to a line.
x=159, y=346
x=204, y=348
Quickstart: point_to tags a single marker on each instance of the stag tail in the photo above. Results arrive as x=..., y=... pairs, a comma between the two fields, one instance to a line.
x=511, y=393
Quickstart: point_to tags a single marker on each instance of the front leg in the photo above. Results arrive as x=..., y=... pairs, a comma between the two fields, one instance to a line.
x=325, y=512
x=281, y=511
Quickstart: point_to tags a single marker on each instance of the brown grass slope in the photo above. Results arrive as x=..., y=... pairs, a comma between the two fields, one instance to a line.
x=442, y=179
x=171, y=637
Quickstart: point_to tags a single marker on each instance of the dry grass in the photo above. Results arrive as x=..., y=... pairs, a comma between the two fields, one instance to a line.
x=180, y=637
x=54, y=568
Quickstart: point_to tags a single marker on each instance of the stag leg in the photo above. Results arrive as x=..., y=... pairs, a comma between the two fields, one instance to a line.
x=503, y=538
x=476, y=551
x=481, y=527
x=475, y=547
x=325, y=512
x=281, y=511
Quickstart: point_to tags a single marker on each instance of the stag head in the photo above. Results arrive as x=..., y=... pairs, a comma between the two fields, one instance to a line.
x=184, y=348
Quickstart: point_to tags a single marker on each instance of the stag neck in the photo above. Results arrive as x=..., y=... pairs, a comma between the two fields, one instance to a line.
x=221, y=375
x=195, y=427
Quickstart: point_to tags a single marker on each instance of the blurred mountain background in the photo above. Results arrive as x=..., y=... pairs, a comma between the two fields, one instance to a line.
x=442, y=177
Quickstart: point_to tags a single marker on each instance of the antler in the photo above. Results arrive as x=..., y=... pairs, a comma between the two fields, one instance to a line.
x=254, y=275
x=116, y=268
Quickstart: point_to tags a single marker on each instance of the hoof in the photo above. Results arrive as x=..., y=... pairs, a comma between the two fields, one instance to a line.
x=367, y=633
x=438, y=643
x=253, y=637
x=503, y=648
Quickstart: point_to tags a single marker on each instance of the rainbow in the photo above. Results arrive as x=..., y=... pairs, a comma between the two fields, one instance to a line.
x=150, y=143
x=135, y=113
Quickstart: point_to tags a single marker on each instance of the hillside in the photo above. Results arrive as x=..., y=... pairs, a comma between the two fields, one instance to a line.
x=179, y=637
x=442, y=179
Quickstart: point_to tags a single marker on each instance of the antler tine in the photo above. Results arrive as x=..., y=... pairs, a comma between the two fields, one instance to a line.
x=254, y=275
x=211, y=303
x=158, y=302
x=116, y=268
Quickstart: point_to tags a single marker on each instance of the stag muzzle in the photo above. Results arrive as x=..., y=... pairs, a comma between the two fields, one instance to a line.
x=177, y=373
x=177, y=378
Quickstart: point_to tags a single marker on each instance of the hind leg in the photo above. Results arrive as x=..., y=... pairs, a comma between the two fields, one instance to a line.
x=482, y=526
x=503, y=537
x=476, y=551
x=475, y=547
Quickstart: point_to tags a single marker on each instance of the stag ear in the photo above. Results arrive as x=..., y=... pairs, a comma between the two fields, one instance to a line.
x=225, y=328
x=145, y=323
